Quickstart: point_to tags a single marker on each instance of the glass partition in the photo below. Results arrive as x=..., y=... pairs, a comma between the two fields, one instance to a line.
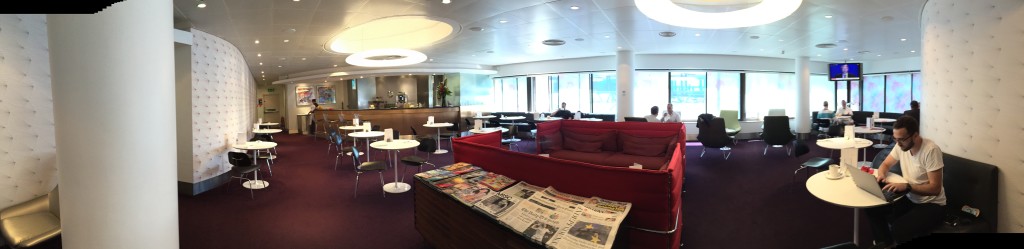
x=604, y=98
x=897, y=92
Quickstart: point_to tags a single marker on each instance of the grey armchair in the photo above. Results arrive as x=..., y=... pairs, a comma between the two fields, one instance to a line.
x=33, y=222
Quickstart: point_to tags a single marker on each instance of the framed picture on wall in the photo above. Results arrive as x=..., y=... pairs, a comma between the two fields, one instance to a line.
x=325, y=94
x=303, y=95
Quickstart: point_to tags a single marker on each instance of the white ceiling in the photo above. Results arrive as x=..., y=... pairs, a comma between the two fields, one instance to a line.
x=598, y=27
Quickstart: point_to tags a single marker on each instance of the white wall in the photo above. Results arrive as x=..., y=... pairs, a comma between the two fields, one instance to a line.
x=660, y=61
x=971, y=61
x=893, y=65
x=223, y=103
x=28, y=166
x=403, y=83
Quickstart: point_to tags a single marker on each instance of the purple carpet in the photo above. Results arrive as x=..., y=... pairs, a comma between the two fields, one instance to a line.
x=746, y=201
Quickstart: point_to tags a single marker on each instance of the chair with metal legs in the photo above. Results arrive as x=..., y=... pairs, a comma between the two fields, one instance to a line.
x=241, y=164
x=368, y=166
x=342, y=150
x=428, y=145
x=815, y=162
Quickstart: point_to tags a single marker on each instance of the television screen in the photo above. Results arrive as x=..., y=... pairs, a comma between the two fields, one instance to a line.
x=844, y=71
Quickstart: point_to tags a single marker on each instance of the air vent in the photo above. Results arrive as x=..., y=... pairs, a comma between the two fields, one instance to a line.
x=476, y=28
x=825, y=45
x=667, y=34
x=553, y=42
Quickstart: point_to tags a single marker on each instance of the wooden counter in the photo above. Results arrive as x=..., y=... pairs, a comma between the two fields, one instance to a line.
x=400, y=119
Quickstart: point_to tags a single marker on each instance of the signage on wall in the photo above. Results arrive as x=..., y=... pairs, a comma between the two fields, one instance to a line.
x=270, y=90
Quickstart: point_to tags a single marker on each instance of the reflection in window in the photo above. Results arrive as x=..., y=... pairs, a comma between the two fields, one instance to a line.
x=897, y=92
x=688, y=93
x=604, y=93
x=770, y=91
x=574, y=90
x=841, y=94
x=855, y=97
x=874, y=93
x=649, y=91
x=723, y=92
x=916, y=88
x=822, y=90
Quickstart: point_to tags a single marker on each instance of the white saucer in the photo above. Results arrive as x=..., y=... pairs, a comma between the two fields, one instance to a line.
x=833, y=178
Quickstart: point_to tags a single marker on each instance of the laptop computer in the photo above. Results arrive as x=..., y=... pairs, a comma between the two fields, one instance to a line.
x=869, y=183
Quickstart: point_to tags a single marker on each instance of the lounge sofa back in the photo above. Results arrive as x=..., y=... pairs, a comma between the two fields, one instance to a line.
x=611, y=143
x=974, y=184
x=656, y=194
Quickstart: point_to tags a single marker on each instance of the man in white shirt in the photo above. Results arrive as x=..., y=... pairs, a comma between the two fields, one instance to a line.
x=923, y=207
x=654, y=115
x=670, y=116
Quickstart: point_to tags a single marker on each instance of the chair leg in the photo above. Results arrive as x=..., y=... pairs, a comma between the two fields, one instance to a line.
x=356, y=189
x=726, y=154
x=702, y=152
x=382, y=192
x=336, y=158
x=765, y=150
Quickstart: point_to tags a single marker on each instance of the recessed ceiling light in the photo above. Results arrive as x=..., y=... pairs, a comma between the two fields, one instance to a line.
x=697, y=34
x=667, y=34
x=553, y=42
x=201, y=4
x=819, y=55
x=262, y=72
x=261, y=63
x=828, y=16
x=286, y=40
x=825, y=45
x=903, y=39
x=279, y=66
x=607, y=36
x=879, y=54
x=502, y=21
x=574, y=7
x=360, y=77
x=259, y=55
x=335, y=65
x=303, y=58
x=257, y=41
x=431, y=59
x=442, y=1
x=386, y=57
x=912, y=51
x=618, y=47
x=476, y=29
x=296, y=0
x=845, y=49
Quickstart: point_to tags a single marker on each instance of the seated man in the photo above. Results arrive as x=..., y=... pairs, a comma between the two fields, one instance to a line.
x=562, y=113
x=654, y=115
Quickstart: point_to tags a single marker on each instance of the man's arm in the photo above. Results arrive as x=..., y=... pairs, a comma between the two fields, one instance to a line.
x=882, y=169
x=932, y=188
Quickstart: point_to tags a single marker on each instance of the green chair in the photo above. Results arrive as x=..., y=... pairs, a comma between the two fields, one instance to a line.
x=732, y=122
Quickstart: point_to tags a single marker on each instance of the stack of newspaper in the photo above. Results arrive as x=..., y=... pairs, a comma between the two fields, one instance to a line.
x=555, y=219
x=465, y=182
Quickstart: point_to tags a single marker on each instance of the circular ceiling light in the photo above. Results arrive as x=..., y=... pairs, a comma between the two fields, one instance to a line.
x=408, y=32
x=668, y=12
x=553, y=42
x=389, y=57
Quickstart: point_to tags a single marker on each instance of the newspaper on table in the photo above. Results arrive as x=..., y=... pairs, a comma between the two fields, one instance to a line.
x=593, y=226
x=497, y=204
x=539, y=217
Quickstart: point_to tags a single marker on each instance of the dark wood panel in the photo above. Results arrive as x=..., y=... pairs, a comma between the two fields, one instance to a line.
x=400, y=119
x=447, y=223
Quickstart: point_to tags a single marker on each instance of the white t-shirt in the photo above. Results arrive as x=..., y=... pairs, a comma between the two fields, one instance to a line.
x=671, y=118
x=652, y=118
x=915, y=169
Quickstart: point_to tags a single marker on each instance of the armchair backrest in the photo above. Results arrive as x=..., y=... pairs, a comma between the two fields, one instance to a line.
x=55, y=201
x=776, y=112
x=732, y=118
x=776, y=130
x=972, y=183
x=712, y=135
x=239, y=159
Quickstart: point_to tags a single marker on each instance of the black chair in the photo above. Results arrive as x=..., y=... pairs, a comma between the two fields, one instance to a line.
x=368, y=166
x=776, y=133
x=815, y=162
x=428, y=145
x=338, y=140
x=507, y=138
x=241, y=164
x=712, y=134
x=635, y=119
x=454, y=132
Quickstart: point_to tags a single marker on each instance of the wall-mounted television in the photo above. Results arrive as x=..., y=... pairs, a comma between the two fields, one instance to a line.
x=844, y=71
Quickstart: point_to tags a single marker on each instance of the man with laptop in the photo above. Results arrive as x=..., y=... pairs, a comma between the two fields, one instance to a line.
x=922, y=208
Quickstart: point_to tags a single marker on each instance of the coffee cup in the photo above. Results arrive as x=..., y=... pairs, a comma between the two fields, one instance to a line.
x=833, y=171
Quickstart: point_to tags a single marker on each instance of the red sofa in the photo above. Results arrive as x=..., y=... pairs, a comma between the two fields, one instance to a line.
x=653, y=222
x=618, y=144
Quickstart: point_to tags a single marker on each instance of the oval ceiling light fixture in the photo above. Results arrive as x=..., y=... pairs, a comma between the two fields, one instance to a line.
x=668, y=12
x=388, y=57
x=408, y=32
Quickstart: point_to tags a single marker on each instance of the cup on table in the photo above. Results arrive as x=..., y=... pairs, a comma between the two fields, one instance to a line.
x=833, y=171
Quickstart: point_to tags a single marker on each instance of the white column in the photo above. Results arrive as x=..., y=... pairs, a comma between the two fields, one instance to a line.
x=624, y=84
x=114, y=114
x=803, y=82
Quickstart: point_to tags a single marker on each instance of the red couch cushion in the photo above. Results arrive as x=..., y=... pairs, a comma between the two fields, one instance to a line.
x=550, y=141
x=647, y=142
x=587, y=157
x=571, y=143
x=607, y=137
x=626, y=160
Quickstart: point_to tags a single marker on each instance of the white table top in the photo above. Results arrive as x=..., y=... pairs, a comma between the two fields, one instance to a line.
x=547, y=119
x=590, y=119
x=269, y=124
x=484, y=117
x=488, y=130
x=842, y=143
x=844, y=192
x=365, y=134
x=884, y=120
x=512, y=118
x=396, y=144
x=438, y=125
x=350, y=127
x=255, y=145
x=864, y=129
x=267, y=131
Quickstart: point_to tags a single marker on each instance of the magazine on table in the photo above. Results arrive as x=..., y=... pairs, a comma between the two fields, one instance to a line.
x=435, y=174
x=454, y=184
x=461, y=168
x=472, y=194
x=496, y=181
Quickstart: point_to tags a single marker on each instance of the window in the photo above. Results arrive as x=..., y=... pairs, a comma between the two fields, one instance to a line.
x=897, y=92
x=723, y=92
x=916, y=88
x=649, y=91
x=822, y=90
x=605, y=101
x=574, y=90
x=542, y=94
x=688, y=93
x=842, y=94
x=855, y=96
x=874, y=93
x=770, y=91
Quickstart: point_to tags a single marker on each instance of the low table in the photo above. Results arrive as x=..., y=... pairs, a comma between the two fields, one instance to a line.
x=439, y=126
x=485, y=118
x=366, y=135
x=256, y=147
x=393, y=147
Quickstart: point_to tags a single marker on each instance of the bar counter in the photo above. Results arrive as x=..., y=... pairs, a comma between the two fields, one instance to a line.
x=396, y=118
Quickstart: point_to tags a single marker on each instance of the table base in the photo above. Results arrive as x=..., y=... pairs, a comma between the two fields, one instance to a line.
x=880, y=146
x=397, y=187
x=255, y=184
x=440, y=151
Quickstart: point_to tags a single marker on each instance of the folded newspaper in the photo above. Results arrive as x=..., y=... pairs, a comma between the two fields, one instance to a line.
x=560, y=220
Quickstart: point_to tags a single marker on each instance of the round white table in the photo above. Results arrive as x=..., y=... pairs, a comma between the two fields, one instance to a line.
x=439, y=126
x=838, y=143
x=513, y=119
x=488, y=130
x=485, y=118
x=366, y=135
x=590, y=119
x=393, y=147
x=256, y=147
x=844, y=192
x=545, y=119
x=864, y=130
x=268, y=124
x=881, y=145
x=352, y=128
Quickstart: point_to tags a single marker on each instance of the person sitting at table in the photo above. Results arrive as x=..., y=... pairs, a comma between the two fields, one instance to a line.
x=654, y=115
x=923, y=207
x=825, y=110
x=670, y=116
x=843, y=114
x=563, y=112
x=915, y=111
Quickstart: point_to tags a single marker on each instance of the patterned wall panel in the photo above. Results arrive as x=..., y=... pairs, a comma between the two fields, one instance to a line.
x=972, y=61
x=223, y=103
x=28, y=159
